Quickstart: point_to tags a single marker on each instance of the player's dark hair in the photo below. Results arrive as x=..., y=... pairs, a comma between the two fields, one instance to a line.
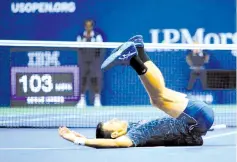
x=101, y=133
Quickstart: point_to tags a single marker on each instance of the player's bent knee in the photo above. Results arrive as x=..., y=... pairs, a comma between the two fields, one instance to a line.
x=156, y=102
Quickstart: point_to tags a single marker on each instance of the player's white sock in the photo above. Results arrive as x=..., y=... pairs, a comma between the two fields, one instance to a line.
x=97, y=101
x=82, y=102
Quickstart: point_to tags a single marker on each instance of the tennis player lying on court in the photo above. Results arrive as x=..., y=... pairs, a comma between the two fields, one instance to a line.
x=189, y=120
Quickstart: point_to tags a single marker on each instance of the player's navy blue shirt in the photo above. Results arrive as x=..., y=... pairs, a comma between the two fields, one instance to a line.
x=164, y=131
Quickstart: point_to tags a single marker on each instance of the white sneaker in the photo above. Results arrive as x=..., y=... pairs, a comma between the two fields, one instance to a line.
x=82, y=102
x=97, y=102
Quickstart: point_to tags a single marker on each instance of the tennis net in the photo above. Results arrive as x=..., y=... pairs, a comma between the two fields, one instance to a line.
x=41, y=86
x=52, y=117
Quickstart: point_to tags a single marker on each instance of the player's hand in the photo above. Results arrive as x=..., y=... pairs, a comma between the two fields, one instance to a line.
x=78, y=134
x=66, y=133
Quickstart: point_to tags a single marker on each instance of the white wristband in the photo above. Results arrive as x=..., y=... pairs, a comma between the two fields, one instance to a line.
x=80, y=141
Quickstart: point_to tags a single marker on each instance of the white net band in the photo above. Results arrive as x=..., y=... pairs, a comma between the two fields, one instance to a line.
x=66, y=44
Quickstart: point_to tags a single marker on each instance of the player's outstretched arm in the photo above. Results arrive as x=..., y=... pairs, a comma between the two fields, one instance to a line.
x=120, y=142
x=97, y=143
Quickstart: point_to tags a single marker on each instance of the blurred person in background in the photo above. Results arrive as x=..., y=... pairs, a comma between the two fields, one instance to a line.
x=89, y=62
x=196, y=59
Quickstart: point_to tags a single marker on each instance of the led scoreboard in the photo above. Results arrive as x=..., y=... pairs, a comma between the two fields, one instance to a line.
x=44, y=85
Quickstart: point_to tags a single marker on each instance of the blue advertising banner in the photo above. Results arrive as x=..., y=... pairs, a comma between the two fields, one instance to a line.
x=171, y=21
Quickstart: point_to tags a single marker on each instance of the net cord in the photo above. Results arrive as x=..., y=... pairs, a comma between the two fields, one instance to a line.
x=68, y=44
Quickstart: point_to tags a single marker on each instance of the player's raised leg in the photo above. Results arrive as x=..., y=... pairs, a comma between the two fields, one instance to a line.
x=157, y=77
x=167, y=100
x=172, y=102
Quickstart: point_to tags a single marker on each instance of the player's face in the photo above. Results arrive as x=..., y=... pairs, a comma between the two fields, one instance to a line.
x=88, y=26
x=115, y=125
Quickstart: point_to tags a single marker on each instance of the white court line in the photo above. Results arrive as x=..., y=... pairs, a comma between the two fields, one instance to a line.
x=73, y=148
x=220, y=135
x=40, y=148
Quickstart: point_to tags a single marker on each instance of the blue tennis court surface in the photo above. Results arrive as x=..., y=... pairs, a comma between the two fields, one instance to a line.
x=45, y=145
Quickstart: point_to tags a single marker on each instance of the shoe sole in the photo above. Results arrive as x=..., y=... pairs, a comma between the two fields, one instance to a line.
x=111, y=60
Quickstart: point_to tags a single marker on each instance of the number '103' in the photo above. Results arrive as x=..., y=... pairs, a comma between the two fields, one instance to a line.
x=37, y=83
